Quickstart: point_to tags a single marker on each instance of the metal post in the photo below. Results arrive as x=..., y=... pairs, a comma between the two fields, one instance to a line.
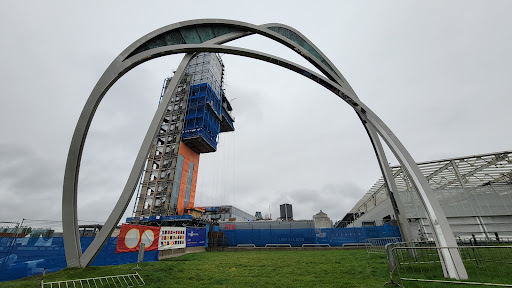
x=140, y=257
x=42, y=279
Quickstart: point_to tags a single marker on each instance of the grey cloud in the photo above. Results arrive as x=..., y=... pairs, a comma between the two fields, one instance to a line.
x=436, y=72
x=28, y=184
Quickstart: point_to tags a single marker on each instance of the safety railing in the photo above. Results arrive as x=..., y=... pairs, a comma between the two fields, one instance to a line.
x=246, y=246
x=377, y=245
x=121, y=281
x=485, y=265
x=278, y=245
x=355, y=244
x=315, y=245
x=485, y=241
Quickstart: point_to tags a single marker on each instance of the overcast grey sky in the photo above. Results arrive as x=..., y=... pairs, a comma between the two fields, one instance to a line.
x=437, y=72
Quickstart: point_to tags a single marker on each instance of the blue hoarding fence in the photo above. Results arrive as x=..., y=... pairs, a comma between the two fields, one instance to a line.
x=27, y=256
x=298, y=237
x=31, y=255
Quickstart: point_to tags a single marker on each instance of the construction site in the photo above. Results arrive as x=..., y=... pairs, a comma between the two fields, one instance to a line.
x=198, y=112
x=446, y=220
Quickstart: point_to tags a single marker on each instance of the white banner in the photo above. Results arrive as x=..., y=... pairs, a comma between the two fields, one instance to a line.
x=172, y=238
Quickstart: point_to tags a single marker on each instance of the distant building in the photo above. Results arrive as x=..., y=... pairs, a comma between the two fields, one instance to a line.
x=322, y=220
x=475, y=193
x=286, y=212
x=258, y=216
x=226, y=213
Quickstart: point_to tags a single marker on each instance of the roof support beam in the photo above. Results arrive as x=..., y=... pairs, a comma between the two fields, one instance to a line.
x=445, y=166
x=456, y=170
x=498, y=158
x=501, y=178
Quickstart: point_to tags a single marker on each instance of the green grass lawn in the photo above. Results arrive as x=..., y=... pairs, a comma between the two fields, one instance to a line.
x=332, y=268
x=483, y=265
x=336, y=268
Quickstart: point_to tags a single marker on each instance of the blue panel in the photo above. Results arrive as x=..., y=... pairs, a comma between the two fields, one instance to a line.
x=176, y=217
x=297, y=237
x=203, y=114
x=196, y=237
x=207, y=230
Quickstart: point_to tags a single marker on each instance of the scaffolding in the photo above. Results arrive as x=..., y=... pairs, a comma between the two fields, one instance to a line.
x=197, y=113
x=157, y=180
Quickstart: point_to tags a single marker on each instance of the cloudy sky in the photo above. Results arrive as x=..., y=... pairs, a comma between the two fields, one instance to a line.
x=437, y=72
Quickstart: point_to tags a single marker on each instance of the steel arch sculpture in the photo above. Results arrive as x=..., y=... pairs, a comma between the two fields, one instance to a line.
x=207, y=35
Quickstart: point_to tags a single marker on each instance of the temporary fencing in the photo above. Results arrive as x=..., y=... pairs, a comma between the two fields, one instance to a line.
x=485, y=265
x=485, y=241
x=38, y=244
x=298, y=237
x=377, y=245
x=121, y=281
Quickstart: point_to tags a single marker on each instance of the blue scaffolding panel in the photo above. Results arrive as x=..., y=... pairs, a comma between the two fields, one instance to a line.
x=202, y=123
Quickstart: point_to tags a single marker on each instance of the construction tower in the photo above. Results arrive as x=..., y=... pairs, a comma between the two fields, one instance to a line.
x=197, y=113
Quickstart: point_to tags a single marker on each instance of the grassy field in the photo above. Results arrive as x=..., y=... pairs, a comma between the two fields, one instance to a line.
x=334, y=268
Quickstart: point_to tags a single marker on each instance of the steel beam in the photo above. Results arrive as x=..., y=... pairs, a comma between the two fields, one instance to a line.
x=462, y=178
x=441, y=169
x=389, y=179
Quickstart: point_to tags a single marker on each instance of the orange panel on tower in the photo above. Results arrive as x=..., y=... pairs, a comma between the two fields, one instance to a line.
x=188, y=181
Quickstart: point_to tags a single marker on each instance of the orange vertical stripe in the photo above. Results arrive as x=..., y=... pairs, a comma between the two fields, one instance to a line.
x=189, y=156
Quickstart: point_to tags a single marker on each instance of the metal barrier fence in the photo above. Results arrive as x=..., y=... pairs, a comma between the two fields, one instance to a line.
x=121, y=281
x=485, y=265
x=475, y=241
x=377, y=245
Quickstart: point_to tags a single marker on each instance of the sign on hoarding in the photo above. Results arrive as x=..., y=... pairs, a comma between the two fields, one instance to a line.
x=172, y=238
x=131, y=236
x=196, y=237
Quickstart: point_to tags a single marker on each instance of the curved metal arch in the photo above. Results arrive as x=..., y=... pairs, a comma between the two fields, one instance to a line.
x=116, y=70
x=203, y=30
